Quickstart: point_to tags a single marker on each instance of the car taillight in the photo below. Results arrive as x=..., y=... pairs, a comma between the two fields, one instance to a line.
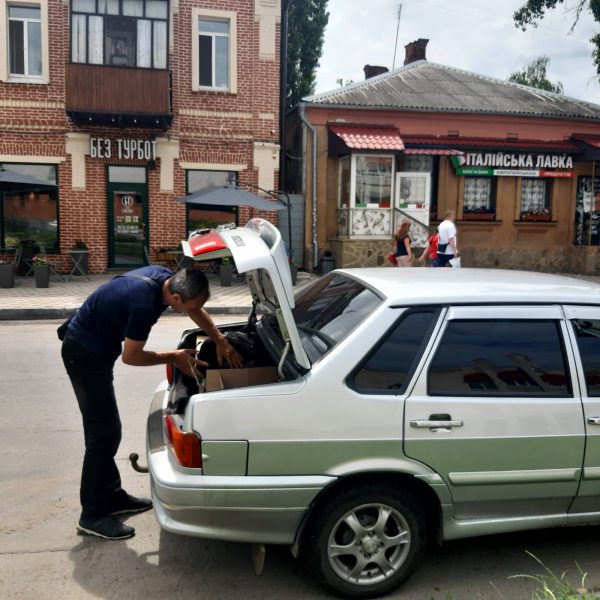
x=185, y=445
x=170, y=373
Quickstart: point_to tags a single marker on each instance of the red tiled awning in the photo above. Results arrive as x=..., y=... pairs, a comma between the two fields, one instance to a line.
x=466, y=143
x=433, y=151
x=360, y=137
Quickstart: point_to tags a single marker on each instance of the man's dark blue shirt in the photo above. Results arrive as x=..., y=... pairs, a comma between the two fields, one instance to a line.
x=125, y=307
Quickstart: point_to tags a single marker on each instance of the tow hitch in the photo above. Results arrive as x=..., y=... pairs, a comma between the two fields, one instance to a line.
x=133, y=459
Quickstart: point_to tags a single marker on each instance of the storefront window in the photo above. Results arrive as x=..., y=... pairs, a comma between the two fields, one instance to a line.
x=206, y=216
x=373, y=181
x=131, y=33
x=587, y=211
x=345, y=181
x=479, y=198
x=423, y=163
x=535, y=200
x=30, y=216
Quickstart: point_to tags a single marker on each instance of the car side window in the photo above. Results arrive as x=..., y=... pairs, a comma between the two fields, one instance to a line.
x=392, y=362
x=587, y=332
x=500, y=358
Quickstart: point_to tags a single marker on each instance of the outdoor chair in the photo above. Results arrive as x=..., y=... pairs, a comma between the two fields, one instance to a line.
x=149, y=261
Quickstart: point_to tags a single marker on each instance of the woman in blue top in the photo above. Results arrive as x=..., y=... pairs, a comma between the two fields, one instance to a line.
x=402, y=250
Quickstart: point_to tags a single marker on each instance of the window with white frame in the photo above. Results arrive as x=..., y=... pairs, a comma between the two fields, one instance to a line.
x=373, y=181
x=120, y=33
x=214, y=48
x=25, y=40
x=345, y=181
x=535, y=198
x=478, y=197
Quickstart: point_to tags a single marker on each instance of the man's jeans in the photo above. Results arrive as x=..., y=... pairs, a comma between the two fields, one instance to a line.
x=92, y=379
x=443, y=259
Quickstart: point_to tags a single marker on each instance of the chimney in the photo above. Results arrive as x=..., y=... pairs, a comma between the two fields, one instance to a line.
x=416, y=51
x=373, y=71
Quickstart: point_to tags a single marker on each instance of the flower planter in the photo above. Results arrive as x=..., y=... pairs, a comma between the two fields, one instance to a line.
x=7, y=276
x=83, y=261
x=294, y=273
x=545, y=218
x=226, y=275
x=478, y=216
x=42, y=275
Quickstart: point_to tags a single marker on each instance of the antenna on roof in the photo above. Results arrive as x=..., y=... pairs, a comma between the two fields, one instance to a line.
x=398, y=16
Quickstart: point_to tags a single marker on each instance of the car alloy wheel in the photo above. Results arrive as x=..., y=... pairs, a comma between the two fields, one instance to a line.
x=369, y=544
x=366, y=540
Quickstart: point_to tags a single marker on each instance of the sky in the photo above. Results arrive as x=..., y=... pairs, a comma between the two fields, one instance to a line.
x=475, y=35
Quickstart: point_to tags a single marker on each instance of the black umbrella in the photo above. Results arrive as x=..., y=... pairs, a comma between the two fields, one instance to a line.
x=10, y=181
x=230, y=196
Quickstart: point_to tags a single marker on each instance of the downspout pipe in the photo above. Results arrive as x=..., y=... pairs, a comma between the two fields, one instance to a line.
x=308, y=125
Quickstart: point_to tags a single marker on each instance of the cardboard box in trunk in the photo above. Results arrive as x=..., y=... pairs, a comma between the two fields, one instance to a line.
x=225, y=379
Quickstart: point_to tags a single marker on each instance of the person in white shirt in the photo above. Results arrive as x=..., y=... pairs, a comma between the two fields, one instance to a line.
x=447, y=246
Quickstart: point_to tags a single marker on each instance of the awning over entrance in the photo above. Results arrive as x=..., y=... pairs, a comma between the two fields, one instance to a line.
x=359, y=137
x=589, y=146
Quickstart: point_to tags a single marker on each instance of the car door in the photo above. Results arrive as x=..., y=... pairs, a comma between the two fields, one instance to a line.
x=495, y=412
x=584, y=324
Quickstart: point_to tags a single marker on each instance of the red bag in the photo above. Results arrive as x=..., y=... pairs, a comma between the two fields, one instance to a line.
x=392, y=258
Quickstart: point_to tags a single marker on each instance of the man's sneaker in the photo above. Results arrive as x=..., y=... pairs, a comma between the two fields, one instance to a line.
x=131, y=505
x=108, y=528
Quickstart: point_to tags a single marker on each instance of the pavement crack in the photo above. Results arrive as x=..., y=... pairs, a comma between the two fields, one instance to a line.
x=21, y=552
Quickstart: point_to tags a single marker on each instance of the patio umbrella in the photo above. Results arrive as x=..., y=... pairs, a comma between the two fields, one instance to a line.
x=230, y=196
x=10, y=181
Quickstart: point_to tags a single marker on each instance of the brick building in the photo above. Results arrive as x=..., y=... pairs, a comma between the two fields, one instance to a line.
x=126, y=105
x=518, y=166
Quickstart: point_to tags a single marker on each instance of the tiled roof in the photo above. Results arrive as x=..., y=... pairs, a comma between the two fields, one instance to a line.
x=425, y=86
x=464, y=143
x=359, y=137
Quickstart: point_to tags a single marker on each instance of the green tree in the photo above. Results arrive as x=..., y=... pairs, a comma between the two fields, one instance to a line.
x=534, y=10
x=307, y=20
x=534, y=75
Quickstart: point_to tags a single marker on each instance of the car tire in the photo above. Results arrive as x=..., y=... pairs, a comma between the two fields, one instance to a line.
x=395, y=543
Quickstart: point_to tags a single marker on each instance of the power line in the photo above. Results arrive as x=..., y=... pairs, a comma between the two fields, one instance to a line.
x=399, y=16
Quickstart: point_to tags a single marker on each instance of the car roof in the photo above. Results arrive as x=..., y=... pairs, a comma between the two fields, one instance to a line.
x=474, y=286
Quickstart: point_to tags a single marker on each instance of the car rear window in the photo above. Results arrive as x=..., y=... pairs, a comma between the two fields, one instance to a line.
x=389, y=367
x=329, y=310
x=588, y=340
x=513, y=358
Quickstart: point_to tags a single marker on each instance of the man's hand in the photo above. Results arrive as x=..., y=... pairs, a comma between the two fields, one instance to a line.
x=184, y=360
x=225, y=351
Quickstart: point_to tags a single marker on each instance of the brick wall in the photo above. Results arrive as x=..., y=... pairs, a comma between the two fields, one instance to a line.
x=212, y=127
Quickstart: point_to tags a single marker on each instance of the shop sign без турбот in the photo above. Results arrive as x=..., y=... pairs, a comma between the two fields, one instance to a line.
x=503, y=164
x=123, y=149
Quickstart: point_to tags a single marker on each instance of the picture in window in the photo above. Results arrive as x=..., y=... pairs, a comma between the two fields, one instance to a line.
x=373, y=181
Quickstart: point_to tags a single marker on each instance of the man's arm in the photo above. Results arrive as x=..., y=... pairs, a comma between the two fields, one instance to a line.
x=225, y=351
x=135, y=355
x=452, y=242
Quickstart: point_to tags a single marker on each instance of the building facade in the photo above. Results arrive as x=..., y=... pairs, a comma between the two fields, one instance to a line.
x=126, y=105
x=516, y=164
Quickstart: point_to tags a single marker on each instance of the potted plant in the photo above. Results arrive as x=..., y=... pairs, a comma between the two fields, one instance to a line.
x=293, y=270
x=536, y=215
x=226, y=271
x=7, y=274
x=41, y=271
x=79, y=253
x=481, y=213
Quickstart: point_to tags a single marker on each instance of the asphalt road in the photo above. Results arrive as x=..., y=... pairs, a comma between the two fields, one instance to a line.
x=42, y=557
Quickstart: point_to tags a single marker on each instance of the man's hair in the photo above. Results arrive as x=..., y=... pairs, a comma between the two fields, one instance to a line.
x=189, y=284
x=448, y=213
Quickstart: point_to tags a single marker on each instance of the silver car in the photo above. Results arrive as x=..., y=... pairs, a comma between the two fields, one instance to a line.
x=382, y=410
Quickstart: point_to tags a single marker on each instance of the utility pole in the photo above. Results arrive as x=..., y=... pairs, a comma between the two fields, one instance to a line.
x=398, y=16
x=285, y=5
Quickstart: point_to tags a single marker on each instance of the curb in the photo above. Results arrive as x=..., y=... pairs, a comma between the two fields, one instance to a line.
x=39, y=314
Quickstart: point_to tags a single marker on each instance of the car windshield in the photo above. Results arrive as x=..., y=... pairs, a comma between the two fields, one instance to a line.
x=329, y=310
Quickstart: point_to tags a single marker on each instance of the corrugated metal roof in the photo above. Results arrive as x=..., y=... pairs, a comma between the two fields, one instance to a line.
x=360, y=137
x=425, y=86
x=433, y=152
x=426, y=141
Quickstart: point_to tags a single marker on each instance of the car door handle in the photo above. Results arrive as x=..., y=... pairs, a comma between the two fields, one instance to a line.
x=429, y=423
x=593, y=420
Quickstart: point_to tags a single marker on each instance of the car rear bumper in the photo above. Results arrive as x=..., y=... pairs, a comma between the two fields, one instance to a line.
x=244, y=509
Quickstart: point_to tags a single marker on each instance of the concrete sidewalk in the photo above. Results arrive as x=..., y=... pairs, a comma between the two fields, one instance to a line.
x=60, y=300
